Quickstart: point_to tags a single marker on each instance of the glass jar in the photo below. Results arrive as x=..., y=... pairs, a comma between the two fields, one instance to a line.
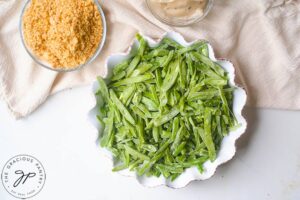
x=179, y=12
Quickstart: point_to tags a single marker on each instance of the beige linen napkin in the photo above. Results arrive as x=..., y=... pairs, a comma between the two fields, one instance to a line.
x=261, y=38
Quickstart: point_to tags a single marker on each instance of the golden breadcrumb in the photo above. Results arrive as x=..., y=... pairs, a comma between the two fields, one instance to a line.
x=64, y=33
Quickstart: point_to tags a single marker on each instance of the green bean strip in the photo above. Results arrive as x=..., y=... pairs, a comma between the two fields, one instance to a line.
x=135, y=153
x=107, y=130
x=134, y=63
x=121, y=107
x=167, y=117
x=206, y=135
x=131, y=80
x=171, y=77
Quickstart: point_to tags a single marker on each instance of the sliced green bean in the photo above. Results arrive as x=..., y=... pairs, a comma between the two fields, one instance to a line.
x=121, y=107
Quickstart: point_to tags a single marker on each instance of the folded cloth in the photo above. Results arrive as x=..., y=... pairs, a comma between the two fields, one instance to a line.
x=261, y=38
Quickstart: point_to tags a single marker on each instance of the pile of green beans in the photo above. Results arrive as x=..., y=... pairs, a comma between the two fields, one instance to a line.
x=165, y=109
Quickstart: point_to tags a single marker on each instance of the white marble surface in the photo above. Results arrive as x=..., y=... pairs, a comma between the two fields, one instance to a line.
x=266, y=166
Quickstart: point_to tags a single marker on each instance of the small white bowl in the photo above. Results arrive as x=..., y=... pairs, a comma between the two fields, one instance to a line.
x=227, y=149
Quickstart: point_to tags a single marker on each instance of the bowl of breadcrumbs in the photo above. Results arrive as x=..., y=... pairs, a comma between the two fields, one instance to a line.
x=63, y=35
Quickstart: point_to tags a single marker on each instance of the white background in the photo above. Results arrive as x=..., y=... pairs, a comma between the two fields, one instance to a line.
x=266, y=166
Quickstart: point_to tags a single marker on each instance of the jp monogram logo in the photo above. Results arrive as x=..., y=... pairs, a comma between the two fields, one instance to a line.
x=23, y=176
